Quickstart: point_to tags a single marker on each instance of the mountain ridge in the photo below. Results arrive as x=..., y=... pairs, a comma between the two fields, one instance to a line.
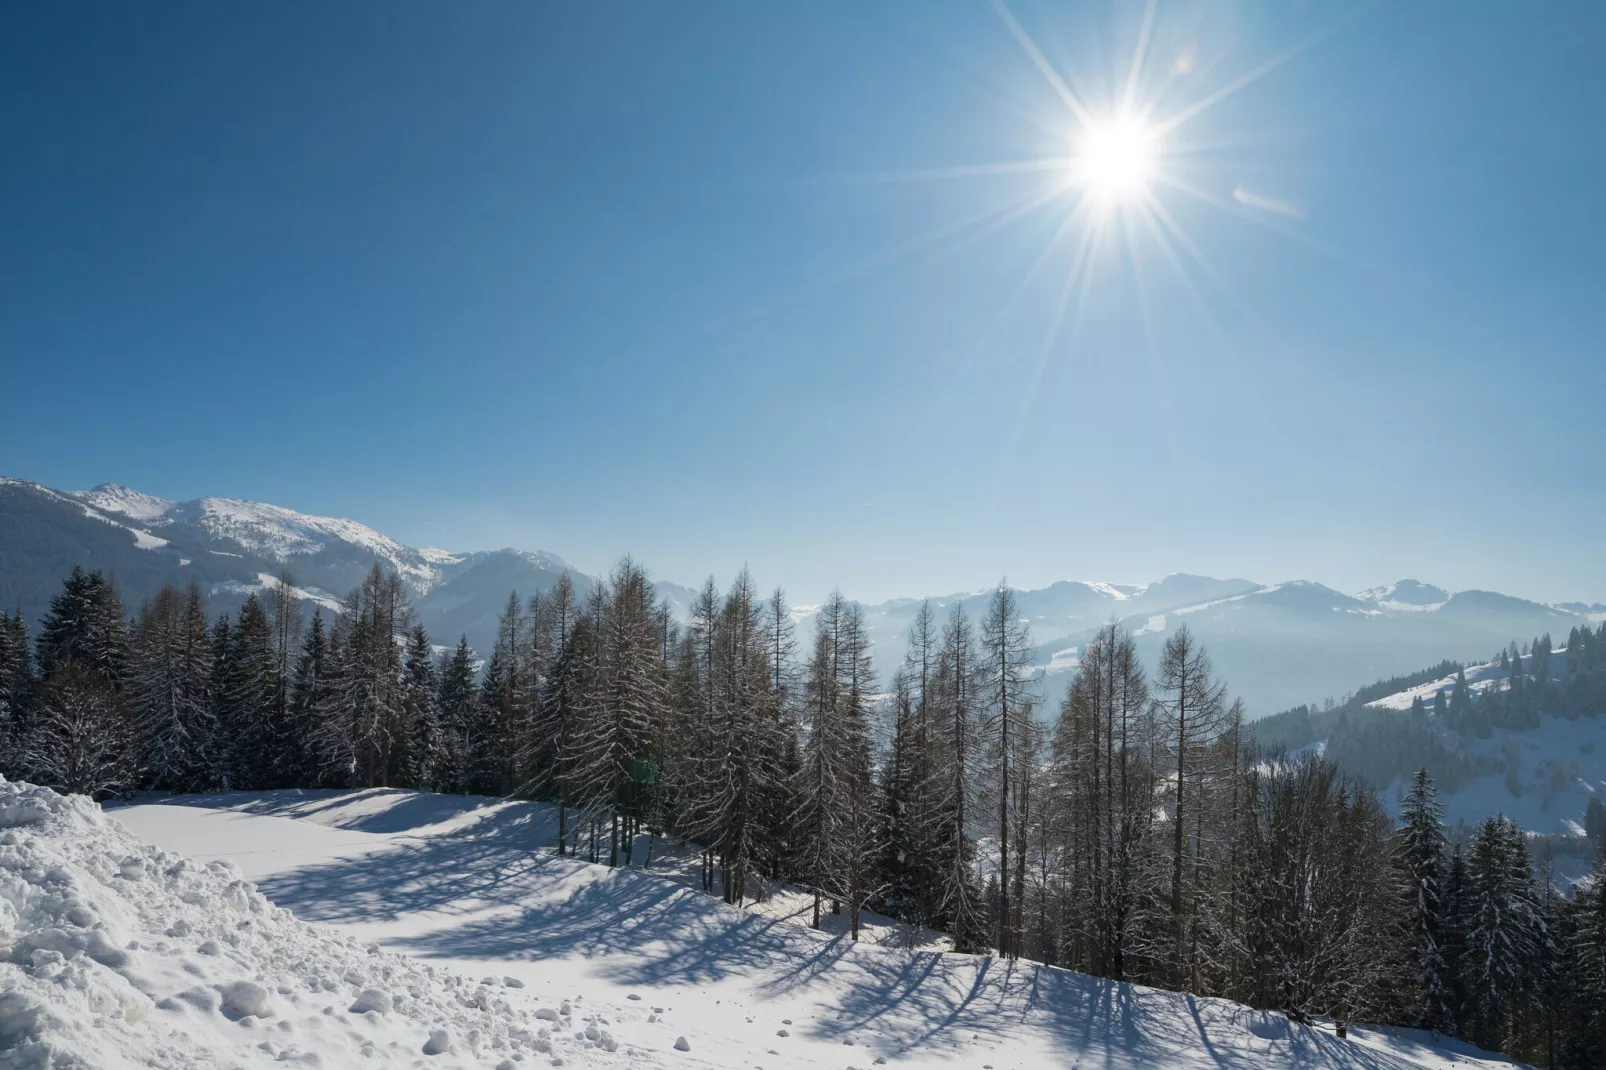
x=1268, y=639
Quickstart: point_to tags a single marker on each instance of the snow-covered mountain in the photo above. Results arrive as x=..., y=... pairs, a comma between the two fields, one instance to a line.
x=232, y=547
x=1276, y=644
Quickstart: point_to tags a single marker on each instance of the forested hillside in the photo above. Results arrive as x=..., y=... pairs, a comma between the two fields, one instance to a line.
x=1523, y=733
x=1133, y=832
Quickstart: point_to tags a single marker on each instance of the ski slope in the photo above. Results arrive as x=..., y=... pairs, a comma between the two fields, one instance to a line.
x=469, y=886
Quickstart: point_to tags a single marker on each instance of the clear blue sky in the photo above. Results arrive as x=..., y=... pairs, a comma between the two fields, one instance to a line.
x=687, y=280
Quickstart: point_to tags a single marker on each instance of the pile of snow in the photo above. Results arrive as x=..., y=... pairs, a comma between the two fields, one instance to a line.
x=114, y=954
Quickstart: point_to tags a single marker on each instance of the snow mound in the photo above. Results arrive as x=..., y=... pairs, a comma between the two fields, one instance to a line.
x=114, y=954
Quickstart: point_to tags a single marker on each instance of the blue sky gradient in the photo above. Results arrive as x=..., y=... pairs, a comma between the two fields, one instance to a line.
x=677, y=280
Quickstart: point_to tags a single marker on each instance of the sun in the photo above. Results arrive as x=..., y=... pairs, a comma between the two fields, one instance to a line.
x=1115, y=159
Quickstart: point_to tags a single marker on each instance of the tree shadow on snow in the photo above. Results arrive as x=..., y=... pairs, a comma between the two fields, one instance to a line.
x=491, y=889
x=380, y=810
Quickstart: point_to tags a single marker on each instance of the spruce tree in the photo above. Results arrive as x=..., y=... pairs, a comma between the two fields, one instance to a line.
x=457, y=702
x=1420, y=851
x=171, y=669
x=310, y=698
x=421, y=753
x=504, y=698
x=252, y=735
x=80, y=739
x=1506, y=932
x=85, y=625
x=16, y=684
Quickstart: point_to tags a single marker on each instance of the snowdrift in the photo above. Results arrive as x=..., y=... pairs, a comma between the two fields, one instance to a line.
x=114, y=954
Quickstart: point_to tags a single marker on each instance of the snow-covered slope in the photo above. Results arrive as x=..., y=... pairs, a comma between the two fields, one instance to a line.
x=232, y=547
x=118, y=955
x=469, y=884
x=268, y=531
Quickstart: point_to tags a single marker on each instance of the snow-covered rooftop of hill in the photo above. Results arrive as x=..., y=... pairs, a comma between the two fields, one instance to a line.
x=117, y=955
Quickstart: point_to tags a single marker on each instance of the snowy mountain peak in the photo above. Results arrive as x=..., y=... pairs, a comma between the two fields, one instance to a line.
x=125, y=501
x=1406, y=593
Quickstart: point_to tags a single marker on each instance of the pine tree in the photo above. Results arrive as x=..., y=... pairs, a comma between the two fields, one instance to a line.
x=736, y=783
x=1420, y=852
x=958, y=762
x=1101, y=772
x=284, y=608
x=1506, y=933
x=552, y=622
x=457, y=702
x=616, y=746
x=171, y=669
x=835, y=833
x=80, y=740
x=1192, y=711
x=251, y=735
x=311, y=698
x=1591, y=977
x=504, y=696
x=568, y=700
x=85, y=625
x=1006, y=645
x=16, y=685
x=360, y=729
x=777, y=749
x=421, y=753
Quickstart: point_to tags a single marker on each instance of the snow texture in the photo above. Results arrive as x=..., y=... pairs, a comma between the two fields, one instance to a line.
x=638, y=960
x=117, y=955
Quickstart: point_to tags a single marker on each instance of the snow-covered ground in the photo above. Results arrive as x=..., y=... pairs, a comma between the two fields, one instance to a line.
x=114, y=954
x=97, y=966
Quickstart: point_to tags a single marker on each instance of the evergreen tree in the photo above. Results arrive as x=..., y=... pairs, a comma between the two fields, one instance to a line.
x=421, y=753
x=171, y=670
x=1103, y=776
x=1007, y=648
x=251, y=735
x=85, y=625
x=505, y=696
x=956, y=797
x=457, y=702
x=1420, y=851
x=835, y=832
x=1192, y=709
x=311, y=698
x=1506, y=932
x=734, y=778
x=80, y=740
x=16, y=684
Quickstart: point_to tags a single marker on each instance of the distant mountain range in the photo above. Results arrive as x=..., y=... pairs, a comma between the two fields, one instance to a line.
x=1277, y=645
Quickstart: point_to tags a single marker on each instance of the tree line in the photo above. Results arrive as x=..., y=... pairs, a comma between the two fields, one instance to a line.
x=1136, y=833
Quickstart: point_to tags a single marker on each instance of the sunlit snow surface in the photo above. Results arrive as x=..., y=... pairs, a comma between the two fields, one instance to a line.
x=469, y=884
x=116, y=954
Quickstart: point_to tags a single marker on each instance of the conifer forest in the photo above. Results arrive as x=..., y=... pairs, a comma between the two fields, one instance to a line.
x=1136, y=832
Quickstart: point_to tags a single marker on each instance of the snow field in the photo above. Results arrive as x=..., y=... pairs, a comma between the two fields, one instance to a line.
x=472, y=886
x=115, y=954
